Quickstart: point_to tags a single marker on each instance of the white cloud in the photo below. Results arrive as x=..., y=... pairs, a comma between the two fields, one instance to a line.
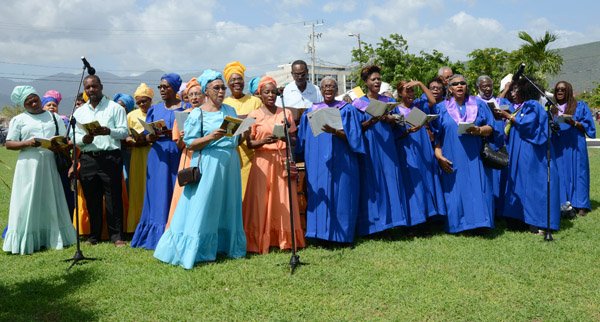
x=340, y=6
x=122, y=36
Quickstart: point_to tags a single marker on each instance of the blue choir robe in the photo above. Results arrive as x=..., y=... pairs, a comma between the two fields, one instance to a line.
x=497, y=141
x=526, y=182
x=331, y=172
x=572, y=158
x=163, y=162
x=382, y=203
x=419, y=171
x=468, y=191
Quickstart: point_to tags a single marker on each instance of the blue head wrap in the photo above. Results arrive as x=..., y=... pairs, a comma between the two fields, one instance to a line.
x=20, y=94
x=253, y=85
x=174, y=81
x=48, y=99
x=127, y=99
x=208, y=76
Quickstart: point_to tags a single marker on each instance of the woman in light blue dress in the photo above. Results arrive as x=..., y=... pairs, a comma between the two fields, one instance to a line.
x=208, y=217
x=38, y=216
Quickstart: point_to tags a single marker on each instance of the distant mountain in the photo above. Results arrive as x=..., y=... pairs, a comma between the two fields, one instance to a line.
x=581, y=67
x=67, y=85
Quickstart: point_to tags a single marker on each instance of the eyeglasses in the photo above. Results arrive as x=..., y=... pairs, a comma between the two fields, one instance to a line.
x=219, y=88
x=458, y=83
x=163, y=87
x=560, y=89
x=194, y=94
x=329, y=86
x=299, y=74
x=143, y=101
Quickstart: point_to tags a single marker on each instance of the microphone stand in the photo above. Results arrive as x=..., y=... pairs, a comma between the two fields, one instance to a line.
x=78, y=256
x=295, y=258
x=550, y=125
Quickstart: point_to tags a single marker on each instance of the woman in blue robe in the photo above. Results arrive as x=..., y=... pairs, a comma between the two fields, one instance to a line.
x=163, y=162
x=208, y=217
x=331, y=167
x=419, y=170
x=382, y=204
x=526, y=181
x=571, y=148
x=466, y=183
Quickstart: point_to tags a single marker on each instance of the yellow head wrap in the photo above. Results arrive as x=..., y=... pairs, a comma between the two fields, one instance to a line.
x=235, y=67
x=144, y=90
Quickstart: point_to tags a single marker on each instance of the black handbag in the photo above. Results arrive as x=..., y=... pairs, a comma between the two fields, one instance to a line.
x=63, y=160
x=191, y=174
x=492, y=158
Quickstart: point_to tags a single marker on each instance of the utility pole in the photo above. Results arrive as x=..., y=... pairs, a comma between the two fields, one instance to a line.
x=357, y=35
x=311, y=46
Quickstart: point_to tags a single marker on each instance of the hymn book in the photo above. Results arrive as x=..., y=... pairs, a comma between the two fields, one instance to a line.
x=156, y=127
x=564, y=118
x=320, y=117
x=180, y=118
x=230, y=125
x=377, y=108
x=279, y=131
x=417, y=118
x=58, y=141
x=90, y=127
x=464, y=126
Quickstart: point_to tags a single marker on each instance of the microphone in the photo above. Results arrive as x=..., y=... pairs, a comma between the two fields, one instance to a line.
x=519, y=72
x=91, y=70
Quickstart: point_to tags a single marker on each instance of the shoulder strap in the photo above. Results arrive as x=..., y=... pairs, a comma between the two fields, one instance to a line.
x=55, y=124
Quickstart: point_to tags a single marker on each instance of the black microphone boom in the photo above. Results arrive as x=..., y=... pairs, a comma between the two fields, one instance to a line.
x=519, y=72
x=91, y=70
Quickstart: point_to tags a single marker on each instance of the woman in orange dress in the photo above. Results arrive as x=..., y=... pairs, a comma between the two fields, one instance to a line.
x=196, y=98
x=266, y=206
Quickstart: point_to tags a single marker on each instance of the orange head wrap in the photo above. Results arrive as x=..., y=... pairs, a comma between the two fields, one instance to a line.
x=264, y=81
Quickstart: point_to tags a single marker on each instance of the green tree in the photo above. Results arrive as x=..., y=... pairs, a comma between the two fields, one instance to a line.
x=8, y=112
x=493, y=62
x=540, y=61
x=592, y=98
x=396, y=63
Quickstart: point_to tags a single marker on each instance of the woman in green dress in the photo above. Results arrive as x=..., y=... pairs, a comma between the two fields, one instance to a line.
x=38, y=215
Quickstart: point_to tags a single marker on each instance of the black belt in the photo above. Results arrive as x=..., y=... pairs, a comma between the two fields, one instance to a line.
x=102, y=153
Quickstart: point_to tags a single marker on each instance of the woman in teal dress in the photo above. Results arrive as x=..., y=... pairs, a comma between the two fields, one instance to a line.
x=38, y=215
x=208, y=217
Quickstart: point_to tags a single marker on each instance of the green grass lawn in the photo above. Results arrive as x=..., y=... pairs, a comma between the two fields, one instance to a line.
x=504, y=275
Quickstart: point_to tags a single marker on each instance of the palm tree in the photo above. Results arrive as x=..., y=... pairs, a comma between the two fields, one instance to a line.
x=540, y=61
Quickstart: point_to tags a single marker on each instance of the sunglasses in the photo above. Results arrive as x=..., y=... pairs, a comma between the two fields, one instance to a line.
x=561, y=89
x=219, y=88
x=458, y=83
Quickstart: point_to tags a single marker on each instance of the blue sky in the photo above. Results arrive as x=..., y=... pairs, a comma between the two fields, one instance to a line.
x=129, y=37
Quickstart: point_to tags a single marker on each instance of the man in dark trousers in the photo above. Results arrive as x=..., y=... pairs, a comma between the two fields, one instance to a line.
x=101, y=165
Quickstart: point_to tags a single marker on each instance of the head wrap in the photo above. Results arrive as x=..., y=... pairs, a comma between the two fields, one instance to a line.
x=192, y=83
x=48, y=99
x=253, y=85
x=55, y=94
x=181, y=92
x=126, y=99
x=173, y=79
x=235, y=67
x=20, y=94
x=208, y=76
x=264, y=81
x=144, y=90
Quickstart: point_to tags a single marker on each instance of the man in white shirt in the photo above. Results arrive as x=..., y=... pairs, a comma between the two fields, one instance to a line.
x=101, y=164
x=300, y=93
